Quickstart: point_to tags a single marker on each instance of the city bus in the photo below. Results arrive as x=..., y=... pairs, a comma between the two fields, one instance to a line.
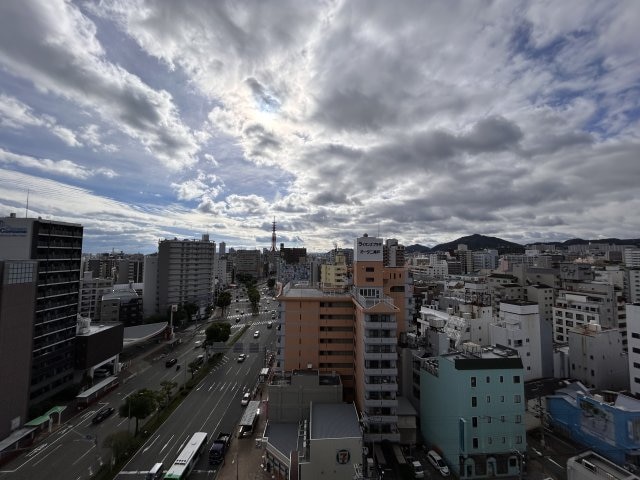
x=187, y=458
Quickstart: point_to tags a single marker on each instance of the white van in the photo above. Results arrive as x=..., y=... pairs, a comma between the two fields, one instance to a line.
x=156, y=472
x=438, y=463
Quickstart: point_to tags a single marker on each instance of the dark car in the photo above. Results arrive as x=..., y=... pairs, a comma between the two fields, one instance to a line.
x=103, y=415
x=171, y=362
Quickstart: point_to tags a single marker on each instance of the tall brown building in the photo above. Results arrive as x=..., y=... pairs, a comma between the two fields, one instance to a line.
x=354, y=332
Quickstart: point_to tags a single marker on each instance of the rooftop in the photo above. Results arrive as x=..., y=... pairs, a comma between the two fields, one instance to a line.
x=334, y=420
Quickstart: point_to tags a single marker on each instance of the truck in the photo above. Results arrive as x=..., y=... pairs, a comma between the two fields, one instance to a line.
x=219, y=448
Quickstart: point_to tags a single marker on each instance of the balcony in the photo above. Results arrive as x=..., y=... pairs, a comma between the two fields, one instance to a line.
x=391, y=403
x=381, y=356
x=380, y=340
x=381, y=371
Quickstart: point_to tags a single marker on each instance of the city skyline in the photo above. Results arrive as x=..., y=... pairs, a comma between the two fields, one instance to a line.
x=418, y=121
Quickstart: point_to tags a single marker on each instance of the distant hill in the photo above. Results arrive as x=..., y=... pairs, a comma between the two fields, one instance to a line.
x=417, y=248
x=480, y=242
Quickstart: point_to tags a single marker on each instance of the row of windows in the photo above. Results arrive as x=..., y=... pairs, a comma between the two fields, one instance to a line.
x=517, y=398
x=490, y=440
x=474, y=380
x=487, y=419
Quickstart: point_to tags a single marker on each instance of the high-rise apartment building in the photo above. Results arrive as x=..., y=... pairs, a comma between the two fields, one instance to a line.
x=182, y=272
x=38, y=306
x=354, y=332
x=248, y=262
x=91, y=292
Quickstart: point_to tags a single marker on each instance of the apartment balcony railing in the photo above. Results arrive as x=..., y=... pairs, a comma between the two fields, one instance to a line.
x=381, y=356
x=369, y=302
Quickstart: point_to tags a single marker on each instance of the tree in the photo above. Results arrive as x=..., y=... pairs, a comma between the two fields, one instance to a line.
x=167, y=388
x=193, y=368
x=218, y=332
x=190, y=309
x=254, y=298
x=139, y=405
x=121, y=443
x=224, y=300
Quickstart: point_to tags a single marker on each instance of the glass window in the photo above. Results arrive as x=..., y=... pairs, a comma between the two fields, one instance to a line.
x=516, y=379
x=475, y=442
x=473, y=382
x=474, y=401
x=517, y=399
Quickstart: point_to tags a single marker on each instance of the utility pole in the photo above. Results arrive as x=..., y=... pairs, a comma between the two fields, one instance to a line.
x=542, y=413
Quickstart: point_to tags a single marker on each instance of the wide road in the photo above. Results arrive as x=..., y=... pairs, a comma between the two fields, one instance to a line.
x=213, y=406
x=75, y=450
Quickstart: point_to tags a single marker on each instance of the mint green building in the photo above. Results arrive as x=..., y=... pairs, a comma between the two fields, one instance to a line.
x=472, y=409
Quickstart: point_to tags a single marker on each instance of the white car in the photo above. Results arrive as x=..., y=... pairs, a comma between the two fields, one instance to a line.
x=256, y=334
x=438, y=463
x=245, y=399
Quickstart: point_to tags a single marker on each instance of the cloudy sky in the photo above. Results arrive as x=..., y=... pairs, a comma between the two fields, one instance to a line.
x=422, y=121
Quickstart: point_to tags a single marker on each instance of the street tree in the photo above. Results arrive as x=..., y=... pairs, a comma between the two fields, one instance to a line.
x=218, y=332
x=224, y=300
x=167, y=387
x=121, y=444
x=139, y=405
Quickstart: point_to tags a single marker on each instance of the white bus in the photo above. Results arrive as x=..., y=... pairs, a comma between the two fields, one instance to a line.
x=187, y=458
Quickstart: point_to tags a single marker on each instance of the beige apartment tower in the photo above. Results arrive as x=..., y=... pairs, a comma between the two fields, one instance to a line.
x=352, y=331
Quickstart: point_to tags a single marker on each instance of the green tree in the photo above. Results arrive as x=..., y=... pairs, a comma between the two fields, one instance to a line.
x=218, y=332
x=190, y=309
x=121, y=443
x=167, y=387
x=139, y=405
x=224, y=300
x=193, y=368
x=254, y=298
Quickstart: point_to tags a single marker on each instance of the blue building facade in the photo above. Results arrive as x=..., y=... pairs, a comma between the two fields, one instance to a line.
x=472, y=408
x=608, y=423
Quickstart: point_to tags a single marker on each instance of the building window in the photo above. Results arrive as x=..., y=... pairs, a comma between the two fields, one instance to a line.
x=501, y=379
x=517, y=399
x=518, y=418
x=473, y=382
x=474, y=401
x=474, y=422
x=502, y=418
x=488, y=398
x=369, y=269
x=489, y=440
x=516, y=379
x=518, y=439
x=475, y=442
x=488, y=379
x=501, y=398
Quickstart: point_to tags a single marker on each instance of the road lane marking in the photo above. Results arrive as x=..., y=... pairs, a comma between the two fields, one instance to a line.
x=168, y=442
x=151, y=444
x=556, y=464
x=57, y=447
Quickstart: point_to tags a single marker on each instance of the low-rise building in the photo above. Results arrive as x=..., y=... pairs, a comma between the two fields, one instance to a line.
x=473, y=414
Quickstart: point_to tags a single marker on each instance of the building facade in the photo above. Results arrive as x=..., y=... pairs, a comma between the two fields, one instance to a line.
x=472, y=410
x=56, y=247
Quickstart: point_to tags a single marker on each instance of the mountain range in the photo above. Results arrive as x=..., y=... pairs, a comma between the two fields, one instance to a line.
x=480, y=242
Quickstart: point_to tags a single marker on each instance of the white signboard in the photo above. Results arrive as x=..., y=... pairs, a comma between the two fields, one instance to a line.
x=367, y=249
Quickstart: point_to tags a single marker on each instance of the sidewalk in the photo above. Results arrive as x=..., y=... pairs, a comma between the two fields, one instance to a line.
x=243, y=460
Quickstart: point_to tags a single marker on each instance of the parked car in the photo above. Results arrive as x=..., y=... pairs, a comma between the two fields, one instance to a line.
x=418, y=471
x=171, y=362
x=245, y=399
x=256, y=334
x=103, y=415
x=241, y=358
x=438, y=463
x=269, y=324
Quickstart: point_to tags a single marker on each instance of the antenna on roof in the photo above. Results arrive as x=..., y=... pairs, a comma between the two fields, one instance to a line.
x=26, y=210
